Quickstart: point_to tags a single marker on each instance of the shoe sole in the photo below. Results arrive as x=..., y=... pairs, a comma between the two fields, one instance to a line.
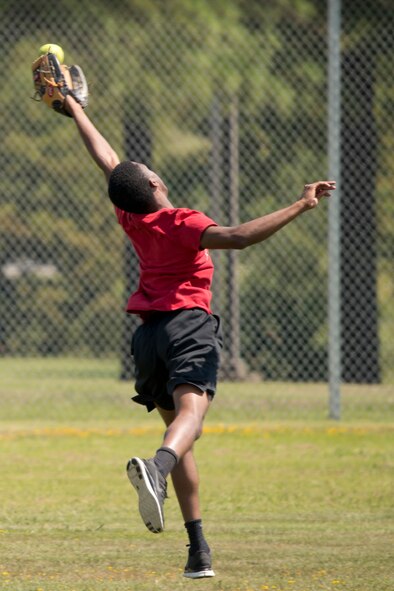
x=199, y=574
x=149, y=505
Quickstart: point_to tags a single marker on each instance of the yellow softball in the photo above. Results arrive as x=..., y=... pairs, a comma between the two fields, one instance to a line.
x=53, y=48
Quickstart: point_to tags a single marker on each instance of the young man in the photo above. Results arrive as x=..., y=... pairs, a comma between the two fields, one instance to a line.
x=177, y=347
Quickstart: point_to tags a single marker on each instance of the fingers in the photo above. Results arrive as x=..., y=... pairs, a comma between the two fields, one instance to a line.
x=324, y=189
x=313, y=192
x=320, y=188
x=322, y=184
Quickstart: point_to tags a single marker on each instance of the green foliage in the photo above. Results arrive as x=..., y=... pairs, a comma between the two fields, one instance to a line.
x=176, y=59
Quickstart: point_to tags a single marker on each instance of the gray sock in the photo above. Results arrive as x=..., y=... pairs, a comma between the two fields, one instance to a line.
x=165, y=459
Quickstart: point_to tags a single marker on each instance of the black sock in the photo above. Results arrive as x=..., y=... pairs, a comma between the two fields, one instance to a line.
x=196, y=536
x=165, y=459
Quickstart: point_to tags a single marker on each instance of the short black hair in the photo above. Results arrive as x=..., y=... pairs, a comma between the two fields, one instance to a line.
x=129, y=188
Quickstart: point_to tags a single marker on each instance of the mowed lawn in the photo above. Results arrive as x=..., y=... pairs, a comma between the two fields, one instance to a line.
x=291, y=500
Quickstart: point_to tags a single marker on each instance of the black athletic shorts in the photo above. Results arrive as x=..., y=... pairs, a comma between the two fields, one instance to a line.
x=173, y=348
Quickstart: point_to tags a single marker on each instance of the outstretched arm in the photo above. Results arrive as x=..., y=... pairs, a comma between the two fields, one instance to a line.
x=258, y=230
x=97, y=146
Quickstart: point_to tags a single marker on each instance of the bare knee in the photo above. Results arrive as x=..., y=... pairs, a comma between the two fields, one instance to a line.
x=194, y=424
x=199, y=431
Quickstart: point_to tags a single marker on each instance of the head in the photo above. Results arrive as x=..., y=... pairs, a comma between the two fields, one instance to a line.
x=133, y=187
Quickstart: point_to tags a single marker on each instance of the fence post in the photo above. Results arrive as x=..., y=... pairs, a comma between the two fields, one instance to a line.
x=334, y=170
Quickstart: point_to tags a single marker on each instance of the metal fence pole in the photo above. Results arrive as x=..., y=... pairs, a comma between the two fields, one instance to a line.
x=334, y=166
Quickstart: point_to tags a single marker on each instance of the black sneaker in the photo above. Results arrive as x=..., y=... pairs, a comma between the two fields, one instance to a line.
x=151, y=488
x=199, y=565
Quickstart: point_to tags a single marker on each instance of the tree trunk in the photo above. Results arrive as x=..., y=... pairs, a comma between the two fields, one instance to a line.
x=360, y=341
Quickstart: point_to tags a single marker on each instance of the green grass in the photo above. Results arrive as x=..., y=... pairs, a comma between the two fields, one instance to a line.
x=291, y=501
x=70, y=389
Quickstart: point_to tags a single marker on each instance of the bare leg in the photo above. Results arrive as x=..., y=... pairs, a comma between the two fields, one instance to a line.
x=184, y=477
x=184, y=426
x=191, y=406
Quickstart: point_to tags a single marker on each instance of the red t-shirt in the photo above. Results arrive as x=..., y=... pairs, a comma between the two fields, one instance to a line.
x=174, y=272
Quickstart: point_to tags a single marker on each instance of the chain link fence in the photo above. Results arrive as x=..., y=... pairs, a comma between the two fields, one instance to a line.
x=227, y=101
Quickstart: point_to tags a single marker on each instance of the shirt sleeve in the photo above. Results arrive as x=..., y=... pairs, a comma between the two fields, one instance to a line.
x=190, y=225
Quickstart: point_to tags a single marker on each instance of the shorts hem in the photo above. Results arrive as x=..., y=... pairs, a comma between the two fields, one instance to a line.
x=151, y=404
x=175, y=382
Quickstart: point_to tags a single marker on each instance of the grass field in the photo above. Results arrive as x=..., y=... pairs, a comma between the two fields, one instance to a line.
x=291, y=500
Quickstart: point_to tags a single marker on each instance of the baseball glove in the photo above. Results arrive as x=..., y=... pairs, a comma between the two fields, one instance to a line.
x=53, y=82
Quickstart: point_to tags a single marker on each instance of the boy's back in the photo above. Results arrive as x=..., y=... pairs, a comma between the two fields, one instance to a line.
x=174, y=272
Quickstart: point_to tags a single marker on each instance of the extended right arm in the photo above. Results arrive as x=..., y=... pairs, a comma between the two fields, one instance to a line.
x=259, y=229
x=97, y=146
